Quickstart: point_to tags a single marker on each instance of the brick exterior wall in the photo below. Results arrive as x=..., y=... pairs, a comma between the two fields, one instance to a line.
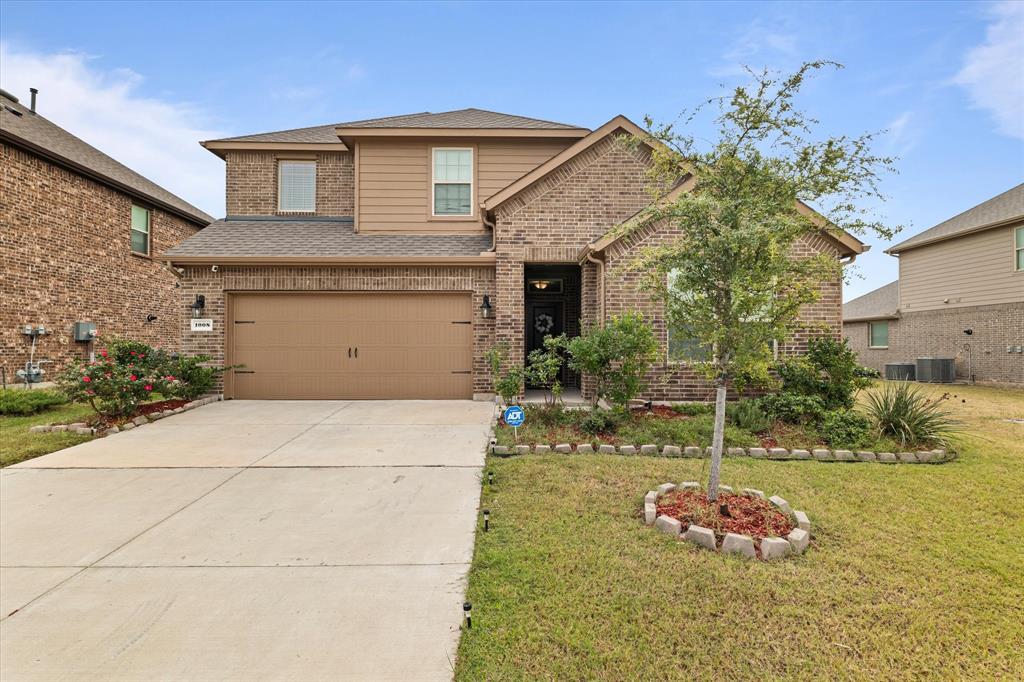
x=252, y=183
x=554, y=219
x=940, y=333
x=66, y=253
x=217, y=286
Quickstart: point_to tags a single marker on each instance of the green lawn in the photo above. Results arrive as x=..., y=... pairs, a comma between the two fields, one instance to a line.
x=17, y=444
x=914, y=570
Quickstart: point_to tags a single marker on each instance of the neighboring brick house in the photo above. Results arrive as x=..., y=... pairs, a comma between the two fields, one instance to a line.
x=966, y=273
x=383, y=258
x=79, y=232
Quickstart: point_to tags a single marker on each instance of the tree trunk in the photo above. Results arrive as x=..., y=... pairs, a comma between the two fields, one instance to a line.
x=716, y=441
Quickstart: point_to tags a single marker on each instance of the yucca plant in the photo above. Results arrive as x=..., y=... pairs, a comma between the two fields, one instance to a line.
x=905, y=413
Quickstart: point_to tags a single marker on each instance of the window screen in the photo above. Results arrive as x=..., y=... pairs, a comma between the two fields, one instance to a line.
x=879, y=334
x=453, y=181
x=140, y=230
x=297, y=186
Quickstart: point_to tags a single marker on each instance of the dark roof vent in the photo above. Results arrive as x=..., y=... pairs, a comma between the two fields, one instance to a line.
x=34, y=91
x=7, y=95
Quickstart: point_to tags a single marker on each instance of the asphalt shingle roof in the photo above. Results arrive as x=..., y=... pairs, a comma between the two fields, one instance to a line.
x=998, y=209
x=324, y=238
x=462, y=118
x=21, y=127
x=882, y=302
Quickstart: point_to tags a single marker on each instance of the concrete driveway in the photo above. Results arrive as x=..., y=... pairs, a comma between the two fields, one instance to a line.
x=246, y=540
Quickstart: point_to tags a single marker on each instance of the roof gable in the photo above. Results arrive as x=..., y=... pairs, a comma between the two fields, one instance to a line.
x=24, y=128
x=620, y=122
x=999, y=210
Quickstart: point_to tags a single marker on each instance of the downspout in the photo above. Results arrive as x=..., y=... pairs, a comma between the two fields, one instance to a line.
x=600, y=283
x=494, y=231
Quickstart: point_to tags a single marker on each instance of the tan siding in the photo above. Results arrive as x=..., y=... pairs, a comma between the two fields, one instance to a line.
x=394, y=179
x=974, y=270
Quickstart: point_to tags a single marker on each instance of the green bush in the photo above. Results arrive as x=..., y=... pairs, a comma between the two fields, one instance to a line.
x=845, y=428
x=905, y=413
x=792, y=408
x=544, y=365
x=748, y=415
x=195, y=377
x=829, y=371
x=693, y=409
x=506, y=379
x=29, y=401
x=111, y=388
x=601, y=421
x=616, y=356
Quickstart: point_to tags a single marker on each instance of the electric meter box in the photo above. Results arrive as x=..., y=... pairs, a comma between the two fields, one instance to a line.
x=84, y=331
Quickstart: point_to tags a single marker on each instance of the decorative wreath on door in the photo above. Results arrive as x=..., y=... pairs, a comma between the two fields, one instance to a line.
x=543, y=323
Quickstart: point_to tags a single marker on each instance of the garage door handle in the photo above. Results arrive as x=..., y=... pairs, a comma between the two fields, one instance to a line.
x=350, y=352
x=357, y=352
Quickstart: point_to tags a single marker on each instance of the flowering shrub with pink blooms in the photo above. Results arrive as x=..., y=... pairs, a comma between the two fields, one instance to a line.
x=113, y=388
x=125, y=374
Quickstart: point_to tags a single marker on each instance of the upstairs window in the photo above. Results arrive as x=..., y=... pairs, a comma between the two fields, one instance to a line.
x=140, y=230
x=1018, y=236
x=878, y=335
x=296, y=186
x=453, y=181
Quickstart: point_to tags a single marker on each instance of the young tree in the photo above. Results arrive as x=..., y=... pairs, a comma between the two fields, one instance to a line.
x=737, y=207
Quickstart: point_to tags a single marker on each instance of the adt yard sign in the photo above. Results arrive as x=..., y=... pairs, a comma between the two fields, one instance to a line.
x=514, y=416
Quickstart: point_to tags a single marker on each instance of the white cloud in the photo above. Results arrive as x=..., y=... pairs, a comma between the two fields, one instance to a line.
x=755, y=43
x=993, y=72
x=902, y=134
x=158, y=138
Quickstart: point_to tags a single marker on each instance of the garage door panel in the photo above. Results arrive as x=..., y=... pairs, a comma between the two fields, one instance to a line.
x=296, y=346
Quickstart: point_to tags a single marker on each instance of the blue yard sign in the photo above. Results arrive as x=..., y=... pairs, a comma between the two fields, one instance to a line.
x=514, y=415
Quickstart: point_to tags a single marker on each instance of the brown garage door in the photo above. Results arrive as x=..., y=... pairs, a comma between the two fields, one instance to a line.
x=351, y=346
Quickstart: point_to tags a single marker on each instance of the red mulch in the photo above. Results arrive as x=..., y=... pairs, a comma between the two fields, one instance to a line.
x=747, y=515
x=148, y=408
x=768, y=442
x=667, y=412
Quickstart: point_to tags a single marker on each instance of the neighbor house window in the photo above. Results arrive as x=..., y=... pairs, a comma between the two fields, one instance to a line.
x=296, y=186
x=878, y=334
x=1018, y=237
x=453, y=181
x=140, y=230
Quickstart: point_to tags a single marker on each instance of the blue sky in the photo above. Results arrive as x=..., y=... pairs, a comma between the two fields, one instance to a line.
x=145, y=81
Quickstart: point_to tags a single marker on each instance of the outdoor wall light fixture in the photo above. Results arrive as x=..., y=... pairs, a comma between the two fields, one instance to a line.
x=151, y=318
x=198, y=306
x=550, y=286
x=485, y=308
x=467, y=608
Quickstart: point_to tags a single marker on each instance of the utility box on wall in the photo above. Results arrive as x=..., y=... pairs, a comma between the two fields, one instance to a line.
x=84, y=331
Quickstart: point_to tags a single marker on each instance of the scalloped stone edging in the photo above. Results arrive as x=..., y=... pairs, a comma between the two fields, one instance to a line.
x=937, y=456
x=83, y=429
x=772, y=548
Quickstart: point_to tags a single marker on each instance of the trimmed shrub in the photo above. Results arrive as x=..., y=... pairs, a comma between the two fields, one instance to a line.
x=601, y=421
x=195, y=377
x=904, y=412
x=693, y=409
x=111, y=388
x=828, y=371
x=616, y=356
x=748, y=415
x=845, y=428
x=792, y=408
x=24, y=402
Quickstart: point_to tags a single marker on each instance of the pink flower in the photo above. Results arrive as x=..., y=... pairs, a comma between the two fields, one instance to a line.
x=133, y=377
x=132, y=352
x=103, y=353
x=148, y=387
x=86, y=379
x=169, y=378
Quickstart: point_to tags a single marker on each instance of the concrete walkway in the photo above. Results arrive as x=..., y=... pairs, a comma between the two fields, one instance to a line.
x=246, y=540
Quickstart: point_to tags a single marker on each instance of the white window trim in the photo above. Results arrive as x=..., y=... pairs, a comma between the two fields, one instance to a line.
x=887, y=329
x=1017, y=249
x=148, y=233
x=280, y=164
x=434, y=182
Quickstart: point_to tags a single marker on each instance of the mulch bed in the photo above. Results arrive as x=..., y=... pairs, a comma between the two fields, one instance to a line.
x=747, y=515
x=149, y=408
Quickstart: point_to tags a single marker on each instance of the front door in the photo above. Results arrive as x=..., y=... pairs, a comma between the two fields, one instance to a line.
x=543, y=320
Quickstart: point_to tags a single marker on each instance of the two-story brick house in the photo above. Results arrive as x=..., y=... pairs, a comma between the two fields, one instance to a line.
x=77, y=244
x=964, y=274
x=382, y=258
